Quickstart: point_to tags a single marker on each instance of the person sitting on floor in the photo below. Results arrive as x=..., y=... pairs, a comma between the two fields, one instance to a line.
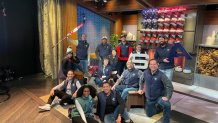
x=111, y=106
x=103, y=73
x=83, y=113
x=129, y=80
x=158, y=91
x=66, y=91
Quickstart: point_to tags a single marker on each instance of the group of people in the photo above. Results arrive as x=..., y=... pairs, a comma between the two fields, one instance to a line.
x=155, y=82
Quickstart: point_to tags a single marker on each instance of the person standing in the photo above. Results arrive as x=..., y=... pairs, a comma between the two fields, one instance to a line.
x=82, y=47
x=82, y=52
x=158, y=91
x=123, y=52
x=162, y=55
x=103, y=50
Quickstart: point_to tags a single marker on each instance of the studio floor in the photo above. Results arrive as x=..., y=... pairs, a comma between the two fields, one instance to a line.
x=190, y=104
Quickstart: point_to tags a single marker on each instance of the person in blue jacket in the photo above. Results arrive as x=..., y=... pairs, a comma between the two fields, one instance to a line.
x=82, y=49
x=82, y=52
x=103, y=50
x=129, y=80
x=163, y=56
x=104, y=73
x=111, y=106
x=113, y=58
x=158, y=91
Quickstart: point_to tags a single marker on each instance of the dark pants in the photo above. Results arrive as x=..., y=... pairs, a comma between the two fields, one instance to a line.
x=78, y=67
x=80, y=120
x=155, y=106
x=121, y=65
x=65, y=98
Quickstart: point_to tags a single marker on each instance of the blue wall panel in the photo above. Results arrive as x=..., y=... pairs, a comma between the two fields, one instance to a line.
x=95, y=27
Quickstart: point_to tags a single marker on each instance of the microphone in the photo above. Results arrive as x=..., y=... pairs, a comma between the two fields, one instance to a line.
x=84, y=17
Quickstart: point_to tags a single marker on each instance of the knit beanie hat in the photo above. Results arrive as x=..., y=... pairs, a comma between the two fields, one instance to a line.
x=69, y=50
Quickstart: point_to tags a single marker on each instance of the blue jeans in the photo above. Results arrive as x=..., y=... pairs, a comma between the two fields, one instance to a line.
x=84, y=65
x=98, y=81
x=155, y=106
x=168, y=73
x=100, y=63
x=111, y=118
x=123, y=90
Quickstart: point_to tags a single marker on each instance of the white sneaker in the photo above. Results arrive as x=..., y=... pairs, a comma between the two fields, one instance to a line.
x=178, y=69
x=46, y=107
x=55, y=102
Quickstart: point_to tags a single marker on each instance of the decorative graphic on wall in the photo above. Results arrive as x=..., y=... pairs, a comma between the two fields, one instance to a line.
x=163, y=22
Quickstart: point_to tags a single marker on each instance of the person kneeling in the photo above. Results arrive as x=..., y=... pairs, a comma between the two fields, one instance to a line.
x=66, y=91
x=158, y=91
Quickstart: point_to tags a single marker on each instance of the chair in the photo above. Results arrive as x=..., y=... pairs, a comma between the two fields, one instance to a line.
x=135, y=99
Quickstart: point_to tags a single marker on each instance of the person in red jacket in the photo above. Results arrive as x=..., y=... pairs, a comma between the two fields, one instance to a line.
x=123, y=52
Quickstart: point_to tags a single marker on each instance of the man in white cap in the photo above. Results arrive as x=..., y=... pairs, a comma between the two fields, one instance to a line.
x=103, y=50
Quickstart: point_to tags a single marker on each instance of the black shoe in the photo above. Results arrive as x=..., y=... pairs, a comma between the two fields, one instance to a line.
x=131, y=121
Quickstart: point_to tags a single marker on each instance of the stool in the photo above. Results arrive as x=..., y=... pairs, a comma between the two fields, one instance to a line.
x=135, y=99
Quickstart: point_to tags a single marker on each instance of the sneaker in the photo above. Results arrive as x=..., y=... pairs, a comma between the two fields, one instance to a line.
x=187, y=70
x=55, y=102
x=46, y=107
x=129, y=121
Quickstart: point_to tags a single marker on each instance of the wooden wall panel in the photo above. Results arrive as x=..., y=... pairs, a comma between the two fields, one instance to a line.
x=118, y=25
x=130, y=19
x=69, y=8
x=211, y=17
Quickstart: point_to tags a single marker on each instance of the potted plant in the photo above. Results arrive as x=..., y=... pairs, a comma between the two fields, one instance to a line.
x=114, y=40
